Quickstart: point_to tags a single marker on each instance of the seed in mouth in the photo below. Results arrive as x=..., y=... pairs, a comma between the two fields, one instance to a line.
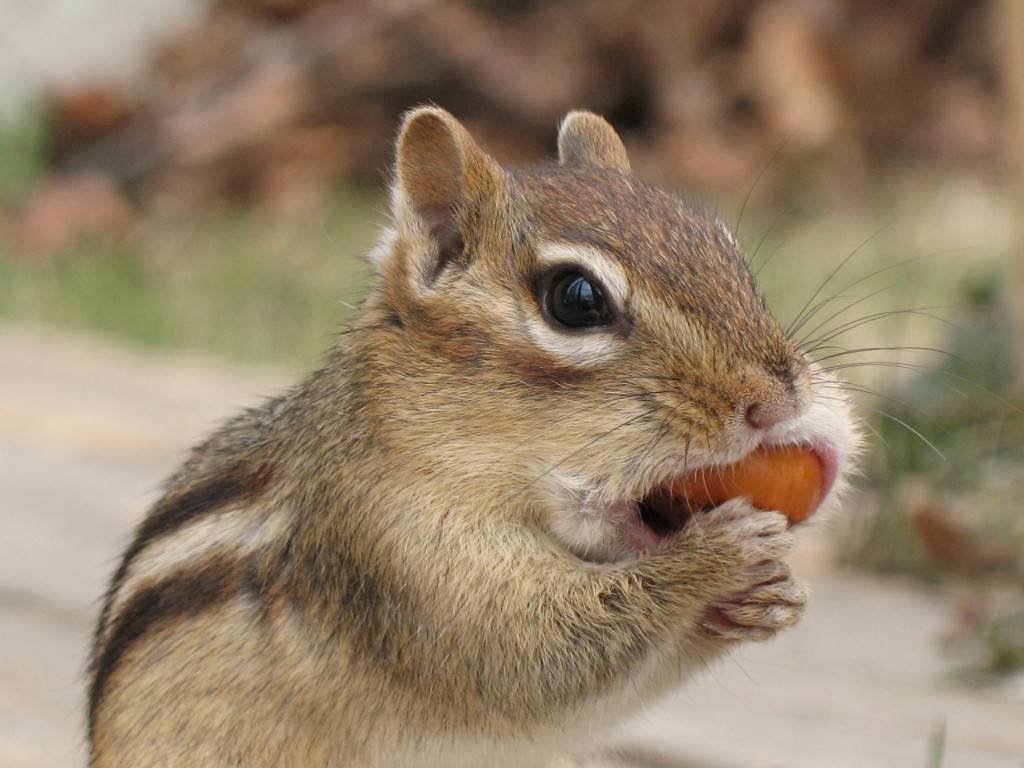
x=790, y=479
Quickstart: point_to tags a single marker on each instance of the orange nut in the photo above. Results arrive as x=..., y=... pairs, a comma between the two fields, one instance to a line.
x=783, y=479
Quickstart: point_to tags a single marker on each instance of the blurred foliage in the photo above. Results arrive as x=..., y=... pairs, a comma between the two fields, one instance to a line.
x=945, y=474
x=23, y=141
x=240, y=284
x=942, y=434
x=991, y=651
x=704, y=93
x=1004, y=639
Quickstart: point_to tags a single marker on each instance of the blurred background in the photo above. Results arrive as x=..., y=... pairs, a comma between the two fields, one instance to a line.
x=187, y=189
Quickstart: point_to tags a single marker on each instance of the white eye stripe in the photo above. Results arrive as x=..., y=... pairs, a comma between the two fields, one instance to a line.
x=582, y=349
x=599, y=264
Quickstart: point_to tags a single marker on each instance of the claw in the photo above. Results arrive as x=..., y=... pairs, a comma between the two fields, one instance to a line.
x=758, y=614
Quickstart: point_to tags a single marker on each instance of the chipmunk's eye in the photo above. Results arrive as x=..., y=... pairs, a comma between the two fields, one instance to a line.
x=577, y=302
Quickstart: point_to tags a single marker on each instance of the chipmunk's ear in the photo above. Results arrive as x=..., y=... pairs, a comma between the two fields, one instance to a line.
x=588, y=139
x=444, y=183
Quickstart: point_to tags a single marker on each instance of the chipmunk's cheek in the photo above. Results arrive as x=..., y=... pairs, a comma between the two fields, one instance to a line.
x=596, y=530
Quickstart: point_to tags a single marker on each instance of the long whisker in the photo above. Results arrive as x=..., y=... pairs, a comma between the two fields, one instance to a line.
x=874, y=364
x=895, y=348
x=864, y=279
x=593, y=441
x=976, y=385
x=876, y=433
x=834, y=315
x=867, y=319
x=848, y=387
x=832, y=274
x=771, y=227
x=768, y=258
x=945, y=384
x=905, y=366
x=771, y=160
x=914, y=431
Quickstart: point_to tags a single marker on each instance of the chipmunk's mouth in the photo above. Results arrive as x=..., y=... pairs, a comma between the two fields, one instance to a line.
x=791, y=479
x=663, y=513
x=797, y=470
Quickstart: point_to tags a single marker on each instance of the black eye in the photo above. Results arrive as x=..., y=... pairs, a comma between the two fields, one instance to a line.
x=577, y=302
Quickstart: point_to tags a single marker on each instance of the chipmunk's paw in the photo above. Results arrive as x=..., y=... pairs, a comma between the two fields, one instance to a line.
x=760, y=612
x=762, y=598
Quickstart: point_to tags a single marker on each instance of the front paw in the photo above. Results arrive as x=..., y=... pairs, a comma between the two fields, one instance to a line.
x=761, y=598
x=760, y=612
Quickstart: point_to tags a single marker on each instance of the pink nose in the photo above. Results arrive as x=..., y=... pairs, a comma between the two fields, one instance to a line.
x=767, y=415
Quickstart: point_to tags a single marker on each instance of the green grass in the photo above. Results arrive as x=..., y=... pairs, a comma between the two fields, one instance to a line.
x=242, y=285
x=22, y=154
x=937, y=746
x=1004, y=639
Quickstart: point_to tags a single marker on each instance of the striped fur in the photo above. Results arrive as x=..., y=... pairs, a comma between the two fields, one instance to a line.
x=199, y=586
x=164, y=587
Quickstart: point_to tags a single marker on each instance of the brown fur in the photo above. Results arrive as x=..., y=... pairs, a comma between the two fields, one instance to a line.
x=398, y=597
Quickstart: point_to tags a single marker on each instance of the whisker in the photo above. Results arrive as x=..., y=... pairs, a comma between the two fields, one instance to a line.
x=875, y=364
x=976, y=385
x=775, y=222
x=830, y=346
x=894, y=348
x=914, y=431
x=834, y=315
x=775, y=250
x=865, y=390
x=869, y=276
x=586, y=445
x=928, y=370
x=832, y=274
x=771, y=160
x=909, y=367
x=867, y=319
x=875, y=432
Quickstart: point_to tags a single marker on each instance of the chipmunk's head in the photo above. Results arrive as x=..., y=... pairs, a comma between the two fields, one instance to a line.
x=573, y=338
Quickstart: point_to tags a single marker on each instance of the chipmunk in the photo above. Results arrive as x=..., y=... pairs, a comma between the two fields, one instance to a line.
x=440, y=549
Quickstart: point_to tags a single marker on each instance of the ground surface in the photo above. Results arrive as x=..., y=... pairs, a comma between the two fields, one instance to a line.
x=87, y=431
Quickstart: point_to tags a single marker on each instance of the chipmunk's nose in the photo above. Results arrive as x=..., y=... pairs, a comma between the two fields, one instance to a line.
x=767, y=398
x=766, y=414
